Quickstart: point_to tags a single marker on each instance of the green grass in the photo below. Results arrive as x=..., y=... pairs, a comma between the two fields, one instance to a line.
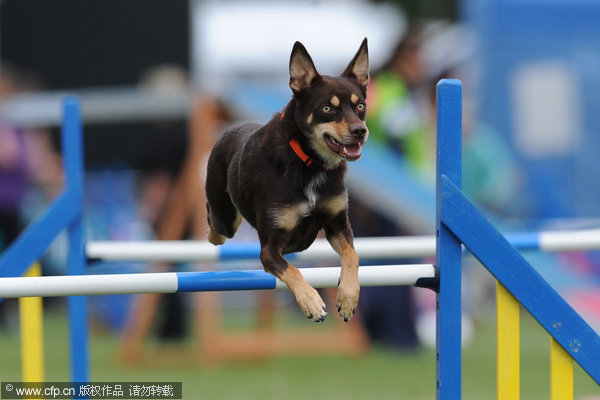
x=382, y=374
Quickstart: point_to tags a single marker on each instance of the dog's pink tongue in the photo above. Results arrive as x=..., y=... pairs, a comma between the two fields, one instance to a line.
x=352, y=150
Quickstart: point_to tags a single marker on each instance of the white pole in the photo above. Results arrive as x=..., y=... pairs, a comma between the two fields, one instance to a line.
x=570, y=240
x=75, y=285
x=380, y=248
x=376, y=275
x=151, y=251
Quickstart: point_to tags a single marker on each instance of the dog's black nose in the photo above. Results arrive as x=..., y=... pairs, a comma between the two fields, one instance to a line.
x=358, y=130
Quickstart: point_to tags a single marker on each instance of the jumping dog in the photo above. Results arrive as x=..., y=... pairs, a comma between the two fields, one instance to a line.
x=286, y=178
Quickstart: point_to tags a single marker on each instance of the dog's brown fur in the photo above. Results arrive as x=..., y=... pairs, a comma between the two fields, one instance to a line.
x=255, y=172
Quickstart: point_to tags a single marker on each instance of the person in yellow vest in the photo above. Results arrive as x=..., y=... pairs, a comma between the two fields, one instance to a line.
x=398, y=109
x=397, y=118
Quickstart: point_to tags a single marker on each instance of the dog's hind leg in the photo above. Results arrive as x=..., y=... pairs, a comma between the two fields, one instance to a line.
x=223, y=218
x=213, y=236
x=223, y=225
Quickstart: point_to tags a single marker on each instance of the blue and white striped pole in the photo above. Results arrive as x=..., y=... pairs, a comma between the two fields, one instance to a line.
x=171, y=282
x=377, y=248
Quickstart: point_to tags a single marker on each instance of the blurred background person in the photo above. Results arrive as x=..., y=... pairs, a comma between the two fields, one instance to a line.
x=397, y=120
x=397, y=104
x=29, y=166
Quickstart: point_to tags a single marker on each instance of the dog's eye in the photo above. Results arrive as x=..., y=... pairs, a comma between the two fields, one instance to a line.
x=327, y=109
x=360, y=107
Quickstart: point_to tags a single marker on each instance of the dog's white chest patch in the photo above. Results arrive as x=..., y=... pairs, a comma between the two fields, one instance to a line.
x=311, y=189
x=287, y=217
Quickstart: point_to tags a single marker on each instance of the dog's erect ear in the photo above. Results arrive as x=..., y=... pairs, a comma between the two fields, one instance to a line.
x=302, y=69
x=359, y=66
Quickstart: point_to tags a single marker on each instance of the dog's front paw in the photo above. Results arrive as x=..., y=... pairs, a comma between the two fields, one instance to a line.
x=311, y=304
x=347, y=298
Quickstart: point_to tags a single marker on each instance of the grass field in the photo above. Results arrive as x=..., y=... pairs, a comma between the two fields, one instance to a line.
x=382, y=374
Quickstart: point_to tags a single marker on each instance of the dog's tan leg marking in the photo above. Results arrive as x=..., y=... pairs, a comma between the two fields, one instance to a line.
x=336, y=204
x=354, y=98
x=218, y=239
x=307, y=297
x=287, y=217
x=349, y=288
x=238, y=221
x=214, y=237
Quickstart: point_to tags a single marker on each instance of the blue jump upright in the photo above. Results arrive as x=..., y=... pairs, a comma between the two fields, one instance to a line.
x=72, y=143
x=65, y=212
x=448, y=247
x=459, y=222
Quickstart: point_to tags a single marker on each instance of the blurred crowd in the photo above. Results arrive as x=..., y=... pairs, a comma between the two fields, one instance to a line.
x=401, y=107
x=29, y=163
x=401, y=119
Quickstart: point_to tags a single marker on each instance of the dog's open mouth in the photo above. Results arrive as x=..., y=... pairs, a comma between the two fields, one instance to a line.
x=350, y=152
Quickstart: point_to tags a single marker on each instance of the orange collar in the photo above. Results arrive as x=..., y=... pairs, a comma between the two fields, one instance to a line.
x=295, y=145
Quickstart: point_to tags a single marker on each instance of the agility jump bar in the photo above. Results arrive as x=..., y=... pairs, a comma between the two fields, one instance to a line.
x=172, y=282
x=380, y=248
